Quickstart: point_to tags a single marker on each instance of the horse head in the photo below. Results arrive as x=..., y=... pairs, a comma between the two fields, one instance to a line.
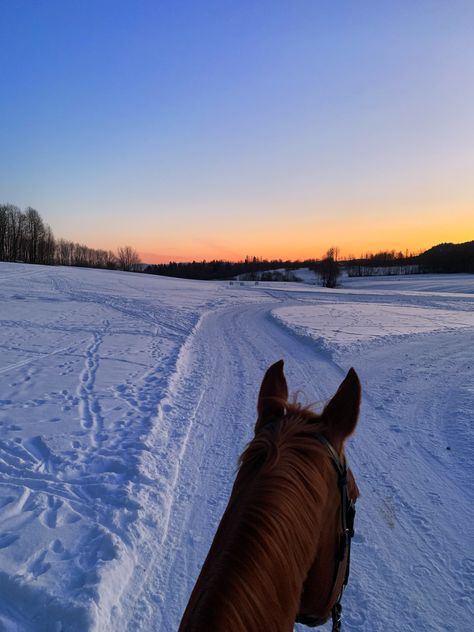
x=328, y=571
x=281, y=550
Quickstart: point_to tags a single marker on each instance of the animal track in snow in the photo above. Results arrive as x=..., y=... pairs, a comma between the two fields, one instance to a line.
x=7, y=538
x=50, y=516
x=89, y=406
x=38, y=566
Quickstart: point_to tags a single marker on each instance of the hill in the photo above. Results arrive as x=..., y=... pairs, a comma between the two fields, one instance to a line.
x=448, y=257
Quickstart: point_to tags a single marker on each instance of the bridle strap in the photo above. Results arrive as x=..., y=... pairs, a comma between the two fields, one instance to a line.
x=347, y=523
x=336, y=615
x=340, y=467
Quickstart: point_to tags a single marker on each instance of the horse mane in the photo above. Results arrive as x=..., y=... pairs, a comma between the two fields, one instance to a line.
x=298, y=422
x=267, y=539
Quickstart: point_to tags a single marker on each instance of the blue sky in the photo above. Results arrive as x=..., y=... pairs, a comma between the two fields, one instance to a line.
x=200, y=129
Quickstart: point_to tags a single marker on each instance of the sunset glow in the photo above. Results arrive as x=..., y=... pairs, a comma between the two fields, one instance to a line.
x=217, y=130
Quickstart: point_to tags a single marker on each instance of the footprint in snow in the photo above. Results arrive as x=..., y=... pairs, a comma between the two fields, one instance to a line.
x=421, y=522
x=50, y=517
x=435, y=498
x=419, y=570
x=39, y=566
x=57, y=547
x=356, y=618
x=7, y=538
x=465, y=566
x=468, y=566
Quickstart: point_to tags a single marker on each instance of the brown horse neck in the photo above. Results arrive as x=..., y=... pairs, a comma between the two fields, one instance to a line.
x=252, y=578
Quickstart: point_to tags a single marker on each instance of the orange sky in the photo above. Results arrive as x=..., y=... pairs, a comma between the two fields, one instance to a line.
x=305, y=239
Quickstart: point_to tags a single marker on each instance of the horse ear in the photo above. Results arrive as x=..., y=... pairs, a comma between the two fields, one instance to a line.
x=273, y=394
x=341, y=413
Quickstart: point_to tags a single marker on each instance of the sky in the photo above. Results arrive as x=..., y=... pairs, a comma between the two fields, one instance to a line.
x=208, y=129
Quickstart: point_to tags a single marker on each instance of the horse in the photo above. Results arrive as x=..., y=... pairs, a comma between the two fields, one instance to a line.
x=281, y=552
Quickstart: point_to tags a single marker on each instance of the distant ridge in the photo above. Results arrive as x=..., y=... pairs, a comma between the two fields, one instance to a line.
x=450, y=247
x=448, y=257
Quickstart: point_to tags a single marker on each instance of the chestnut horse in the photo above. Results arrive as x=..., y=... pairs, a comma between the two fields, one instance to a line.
x=281, y=551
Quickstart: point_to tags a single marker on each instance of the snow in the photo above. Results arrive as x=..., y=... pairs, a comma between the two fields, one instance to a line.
x=126, y=399
x=346, y=325
x=452, y=283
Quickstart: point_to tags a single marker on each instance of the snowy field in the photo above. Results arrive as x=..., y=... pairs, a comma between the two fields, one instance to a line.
x=126, y=399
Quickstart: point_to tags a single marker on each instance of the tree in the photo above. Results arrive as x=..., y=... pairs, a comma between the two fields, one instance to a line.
x=329, y=268
x=128, y=259
x=12, y=233
x=34, y=234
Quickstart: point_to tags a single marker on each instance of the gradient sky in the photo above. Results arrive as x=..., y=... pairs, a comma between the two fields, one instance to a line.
x=201, y=129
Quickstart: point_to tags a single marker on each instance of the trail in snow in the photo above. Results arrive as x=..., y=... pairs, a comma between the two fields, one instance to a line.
x=210, y=413
x=125, y=401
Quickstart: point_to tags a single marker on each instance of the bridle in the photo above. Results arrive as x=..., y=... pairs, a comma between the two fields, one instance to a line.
x=344, y=547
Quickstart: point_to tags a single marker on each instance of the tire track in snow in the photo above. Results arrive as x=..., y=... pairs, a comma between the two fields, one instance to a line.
x=205, y=422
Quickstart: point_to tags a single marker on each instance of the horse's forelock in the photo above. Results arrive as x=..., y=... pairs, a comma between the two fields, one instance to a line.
x=294, y=427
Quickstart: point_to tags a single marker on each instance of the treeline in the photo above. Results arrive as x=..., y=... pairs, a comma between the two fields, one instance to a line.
x=448, y=258
x=219, y=269
x=385, y=262
x=443, y=258
x=25, y=237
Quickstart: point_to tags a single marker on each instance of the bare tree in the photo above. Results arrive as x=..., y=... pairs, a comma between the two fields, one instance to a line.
x=329, y=268
x=4, y=228
x=47, y=247
x=128, y=259
x=64, y=252
x=13, y=236
x=34, y=233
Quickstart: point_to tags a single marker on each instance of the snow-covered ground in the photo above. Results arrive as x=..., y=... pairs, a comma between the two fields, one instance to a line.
x=126, y=399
